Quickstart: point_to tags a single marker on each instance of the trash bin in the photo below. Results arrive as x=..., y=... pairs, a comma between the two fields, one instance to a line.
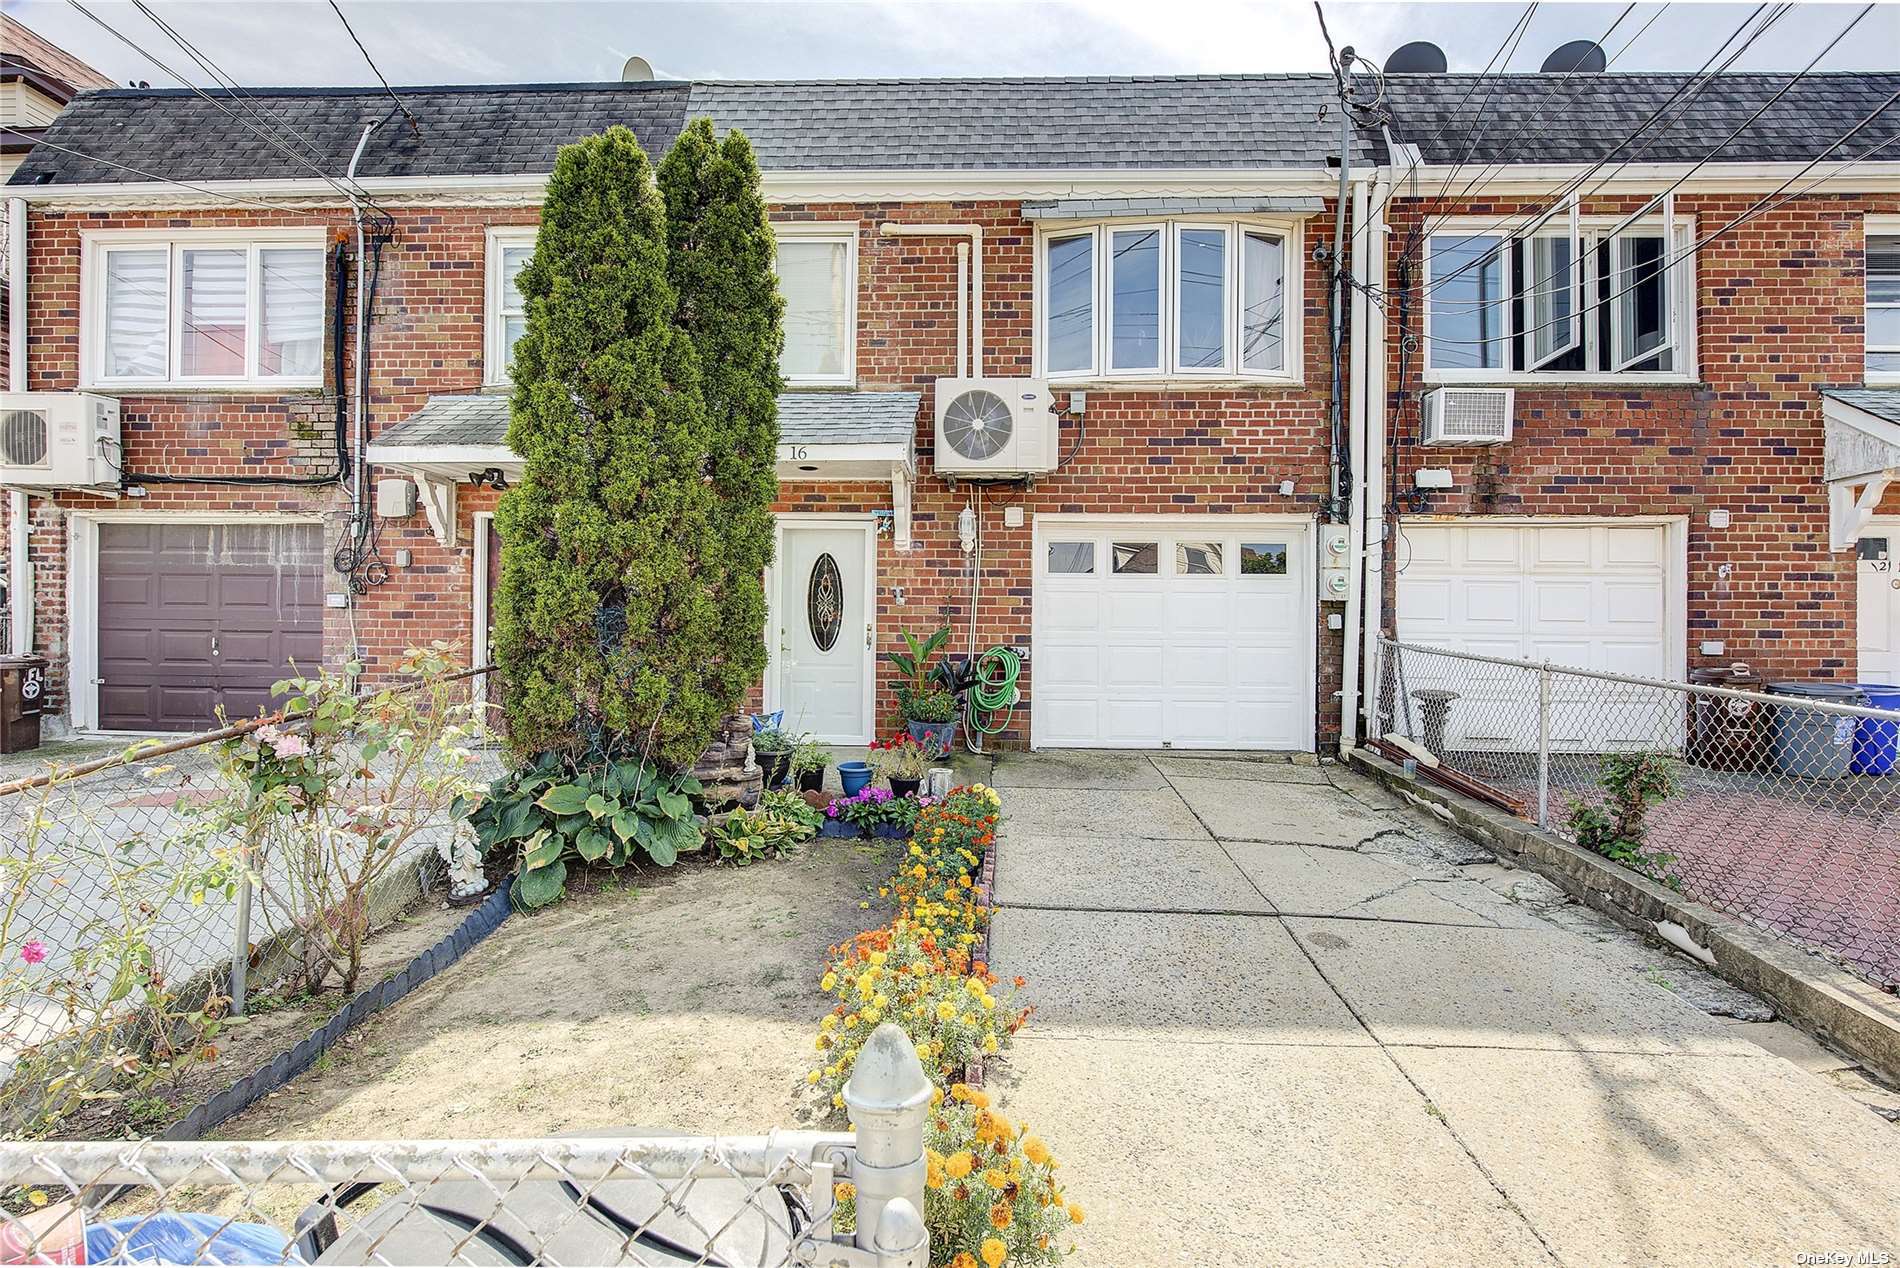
x=22, y=698
x=1816, y=745
x=1725, y=733
x=1876, y=742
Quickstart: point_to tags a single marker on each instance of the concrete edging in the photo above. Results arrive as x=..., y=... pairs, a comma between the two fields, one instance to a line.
x=1853, y=1015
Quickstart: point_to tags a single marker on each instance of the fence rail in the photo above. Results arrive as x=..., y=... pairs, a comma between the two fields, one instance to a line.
x=625, y=1198
x=1780, y=809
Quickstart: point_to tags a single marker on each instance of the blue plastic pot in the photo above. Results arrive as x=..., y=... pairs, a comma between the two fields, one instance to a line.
x=854, y=776
x=1877, y=743
x=836, y=828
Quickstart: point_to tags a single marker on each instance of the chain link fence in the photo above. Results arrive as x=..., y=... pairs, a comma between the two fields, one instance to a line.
x=128, y=879
x=1782, y=809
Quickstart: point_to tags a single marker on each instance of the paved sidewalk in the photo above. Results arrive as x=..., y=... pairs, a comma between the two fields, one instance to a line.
x=1283, y=1019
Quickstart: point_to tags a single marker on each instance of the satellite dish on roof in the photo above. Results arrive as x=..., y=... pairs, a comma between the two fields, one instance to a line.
x=638, y=70
x=1578, y=57
x=1420, y=57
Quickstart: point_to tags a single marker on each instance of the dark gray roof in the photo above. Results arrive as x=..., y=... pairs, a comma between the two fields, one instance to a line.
x=826, y=125
x=804, y=418
x=1102, y=208
x=1581, y=118
x=1881, y=402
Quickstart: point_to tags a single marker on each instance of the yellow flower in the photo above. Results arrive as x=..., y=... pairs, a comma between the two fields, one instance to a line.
x=959, y=1164
x=946, y=1011
x=877, y=959
x=963, y=1259
x=995, y=1179
x=871, y=1016
x=837, y=1101
x=830, y=981
x=812, y=1077
x=989, y=1044
x=1035, y=1150
x=824, y=1041
x=936, y=1097
x=1000, y=1216
x=851, y=1019
x=994, y=1252
x=968, y=1019
x=37, y=1197
x=974, y=986
x=1075, y=1213
x=844, y=1191
x=828, y=1021
x=933, y=1170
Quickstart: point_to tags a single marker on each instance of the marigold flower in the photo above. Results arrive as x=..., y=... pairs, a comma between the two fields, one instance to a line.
x=1035, y=1150
x=994, y=1252
x=1075, y=1213
x=1000, y=1216
x=946, y=1011
x=959, y=1164
x=963, y=1259
x=995, y=1179
x=812, y=1077
x=844, y=1191
x=990, y=1046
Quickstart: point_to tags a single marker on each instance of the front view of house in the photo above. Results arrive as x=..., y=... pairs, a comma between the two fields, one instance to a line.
x=1060, y=373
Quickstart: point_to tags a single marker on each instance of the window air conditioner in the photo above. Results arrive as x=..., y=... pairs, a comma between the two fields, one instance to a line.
x=1468, y=415
x=59, y=440
x=994, y=428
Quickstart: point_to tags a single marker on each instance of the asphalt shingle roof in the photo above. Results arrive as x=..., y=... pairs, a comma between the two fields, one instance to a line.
x=804, y=418
x=1881, y=402
x=1582, y=118
x=1133, y=123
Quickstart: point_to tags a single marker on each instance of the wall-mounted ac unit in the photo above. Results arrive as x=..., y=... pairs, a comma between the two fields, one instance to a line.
x=995, y=428
x=59, y=440
x=1468, y=415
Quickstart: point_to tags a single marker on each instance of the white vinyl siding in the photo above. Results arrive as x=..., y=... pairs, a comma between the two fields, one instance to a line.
x=202, y=310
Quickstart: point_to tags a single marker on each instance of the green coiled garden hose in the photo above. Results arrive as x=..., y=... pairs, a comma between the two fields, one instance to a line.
x=993, y=695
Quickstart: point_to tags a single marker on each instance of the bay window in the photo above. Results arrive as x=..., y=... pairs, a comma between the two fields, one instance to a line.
x=1563, y=299
x=1883, y=304
x=204, y=310
x=1169, y=299
x=817, y=266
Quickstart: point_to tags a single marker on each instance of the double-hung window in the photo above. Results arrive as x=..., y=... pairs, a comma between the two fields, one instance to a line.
x=509, y=250
x=1883, y=302
x=1168, y=299
x=204, y=310
x=817, y=264
x=1564, y=297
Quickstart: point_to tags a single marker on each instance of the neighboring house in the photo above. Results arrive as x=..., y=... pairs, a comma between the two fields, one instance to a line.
x=1142, y=251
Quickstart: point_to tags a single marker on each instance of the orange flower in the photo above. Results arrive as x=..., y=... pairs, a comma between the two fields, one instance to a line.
x=1000, y=1216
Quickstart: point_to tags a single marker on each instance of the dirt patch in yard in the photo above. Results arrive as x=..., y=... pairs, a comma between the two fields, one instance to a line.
x=682, y=999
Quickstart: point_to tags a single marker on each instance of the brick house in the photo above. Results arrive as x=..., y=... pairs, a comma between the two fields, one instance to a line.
x=1143, y=262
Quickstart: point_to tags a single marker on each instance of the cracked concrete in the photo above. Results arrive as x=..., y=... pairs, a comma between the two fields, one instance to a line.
x=1331, y=1026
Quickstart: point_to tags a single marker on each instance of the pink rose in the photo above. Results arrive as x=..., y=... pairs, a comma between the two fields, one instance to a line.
x=33, y=952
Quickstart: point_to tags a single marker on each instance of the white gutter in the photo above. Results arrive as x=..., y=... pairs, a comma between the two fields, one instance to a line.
x=973, y=366
x=1362, y=321
x=19, y=512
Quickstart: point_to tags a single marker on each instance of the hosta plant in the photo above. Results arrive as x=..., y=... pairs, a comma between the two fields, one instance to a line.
x=991, y=1197
x=778, y=825
x=953, y=1009
x=553, y=813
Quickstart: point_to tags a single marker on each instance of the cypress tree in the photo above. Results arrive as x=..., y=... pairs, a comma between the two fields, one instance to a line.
x=719, y=259
x=607, y=633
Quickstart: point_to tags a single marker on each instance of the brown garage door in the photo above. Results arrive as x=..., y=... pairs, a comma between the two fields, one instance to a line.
x=194, y=618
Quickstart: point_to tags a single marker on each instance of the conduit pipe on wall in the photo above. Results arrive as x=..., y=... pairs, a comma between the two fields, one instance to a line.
x=1356, y=572
x=969, y=361
x=1370, y=390
x=19, y=512
x=358, y=505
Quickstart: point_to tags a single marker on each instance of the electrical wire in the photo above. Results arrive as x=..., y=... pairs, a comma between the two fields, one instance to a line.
x=414, y=125
x=150, y=176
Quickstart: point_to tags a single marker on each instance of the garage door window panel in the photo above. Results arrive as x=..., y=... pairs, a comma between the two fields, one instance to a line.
x=1071, y=558
x=1263, y=559
x=1136, y=558
x=1198, y=559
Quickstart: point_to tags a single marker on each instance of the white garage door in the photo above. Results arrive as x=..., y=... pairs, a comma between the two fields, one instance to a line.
x=1160, y=633
x=1593, y=595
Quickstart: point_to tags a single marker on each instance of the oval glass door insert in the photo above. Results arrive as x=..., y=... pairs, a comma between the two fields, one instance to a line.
x=824, y=603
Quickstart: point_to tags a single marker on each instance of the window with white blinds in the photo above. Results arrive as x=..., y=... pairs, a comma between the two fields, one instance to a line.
x=205, y=311
x=1883, y=306
x=817, y=268
x=510, y=247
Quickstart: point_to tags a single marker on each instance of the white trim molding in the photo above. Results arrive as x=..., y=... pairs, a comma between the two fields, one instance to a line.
x=495, y=346
x=1862, y=463
x=844, y=233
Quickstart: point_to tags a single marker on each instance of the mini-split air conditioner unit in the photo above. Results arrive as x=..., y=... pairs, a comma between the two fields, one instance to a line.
x=59, y=440
x=995, y=429
x=1468, y=415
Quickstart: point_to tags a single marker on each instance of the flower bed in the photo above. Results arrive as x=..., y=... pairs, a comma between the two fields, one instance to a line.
x=991, y=1196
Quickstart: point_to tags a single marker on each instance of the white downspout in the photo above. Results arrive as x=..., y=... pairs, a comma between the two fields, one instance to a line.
x=1356, y=448
x=358, y=484
x=972, y=316
x=19, y=513
x=1374, y=393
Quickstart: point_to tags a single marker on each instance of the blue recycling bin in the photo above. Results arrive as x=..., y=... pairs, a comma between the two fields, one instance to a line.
x=1877, y=742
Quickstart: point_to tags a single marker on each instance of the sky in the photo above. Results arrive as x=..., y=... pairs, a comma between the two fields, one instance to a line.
x=284, y=42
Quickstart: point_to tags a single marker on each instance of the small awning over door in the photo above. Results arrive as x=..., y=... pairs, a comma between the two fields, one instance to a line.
x=1863, y=456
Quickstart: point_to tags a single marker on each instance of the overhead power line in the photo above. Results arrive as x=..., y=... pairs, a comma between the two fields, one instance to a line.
x=39, y=141
x=408, y=114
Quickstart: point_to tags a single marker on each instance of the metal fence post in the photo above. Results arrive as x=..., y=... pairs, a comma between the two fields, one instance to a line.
x=1543, y=745
x=241, y=946
x=888, y=1099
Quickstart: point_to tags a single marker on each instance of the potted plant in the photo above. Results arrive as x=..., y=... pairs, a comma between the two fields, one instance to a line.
x=853, y=776
x=809, y=760
x=774, y=748
x=923, y=698
x=902, y=760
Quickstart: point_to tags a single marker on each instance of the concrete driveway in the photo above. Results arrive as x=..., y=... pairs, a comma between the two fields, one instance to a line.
x=1283, y=1018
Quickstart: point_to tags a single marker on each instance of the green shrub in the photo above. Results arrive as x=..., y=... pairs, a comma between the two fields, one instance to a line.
x=1618, y=829
x=809, y=756
x=930, y=705
x=779, y=825
x=553, y=812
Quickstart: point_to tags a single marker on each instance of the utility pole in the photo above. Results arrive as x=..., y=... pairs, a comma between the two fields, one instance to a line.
x=1339, y=497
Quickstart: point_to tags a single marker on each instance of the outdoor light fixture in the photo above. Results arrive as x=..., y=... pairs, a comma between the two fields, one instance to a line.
x=490, y=476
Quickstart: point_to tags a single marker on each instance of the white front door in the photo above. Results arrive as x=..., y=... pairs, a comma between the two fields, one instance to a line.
x=826, y=672
x=1879, y=602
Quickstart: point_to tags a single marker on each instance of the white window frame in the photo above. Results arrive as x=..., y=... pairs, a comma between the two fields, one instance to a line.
x=1506, y=279
x=1876, y=227
x=1289, y=267
x=845, y=232
x=495, y=347
x=1593, y=231
x=1565, y=217
x=1288, y=230
x=94, y=247
x=1105, y=341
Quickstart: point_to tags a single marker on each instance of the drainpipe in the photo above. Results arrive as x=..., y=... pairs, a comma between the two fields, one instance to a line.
x=1336, y=491
x=19, y=514
x=1372, y=392
x=974, y=233
x=1356, y=574
x=357, y=507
